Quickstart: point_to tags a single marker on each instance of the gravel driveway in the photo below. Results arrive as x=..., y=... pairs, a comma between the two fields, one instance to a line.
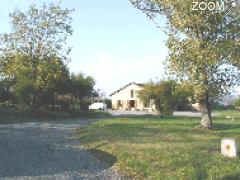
x=48, y=151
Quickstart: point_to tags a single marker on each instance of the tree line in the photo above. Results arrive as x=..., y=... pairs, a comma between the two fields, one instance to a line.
x=34, y=58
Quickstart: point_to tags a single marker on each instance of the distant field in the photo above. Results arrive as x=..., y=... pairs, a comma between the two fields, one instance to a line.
x=166, y=148
x=225, y=113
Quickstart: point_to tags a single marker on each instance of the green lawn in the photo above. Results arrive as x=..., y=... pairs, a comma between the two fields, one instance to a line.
x=168, y=148
x=231, y=113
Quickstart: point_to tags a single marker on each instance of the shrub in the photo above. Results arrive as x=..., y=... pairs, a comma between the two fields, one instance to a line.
x=65, y=101
x=108, y=102
x=237, y=102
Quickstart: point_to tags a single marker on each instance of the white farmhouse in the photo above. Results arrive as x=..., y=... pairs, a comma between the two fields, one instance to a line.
x=126, y=98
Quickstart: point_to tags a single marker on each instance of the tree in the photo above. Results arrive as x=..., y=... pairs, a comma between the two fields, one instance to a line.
x=237, y=103
x=184, y=94
x=37, y=41
x=203, y=47
x=52, y=85
x=5, y=92
x=82, y=88
x=108, y=102
x=161, y=93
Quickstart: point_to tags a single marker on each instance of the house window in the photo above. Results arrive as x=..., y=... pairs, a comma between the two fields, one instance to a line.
x=132, y=93
x=119, y=103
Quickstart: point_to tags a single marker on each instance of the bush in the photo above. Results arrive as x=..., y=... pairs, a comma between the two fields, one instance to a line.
x=168, y=110
x=65, y=101
x=162, y=93
x=22, y=90
x=108, y=102
x=237, y=103
x=84, y=103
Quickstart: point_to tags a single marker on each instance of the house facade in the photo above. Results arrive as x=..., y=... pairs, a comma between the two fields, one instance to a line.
x=126, y=98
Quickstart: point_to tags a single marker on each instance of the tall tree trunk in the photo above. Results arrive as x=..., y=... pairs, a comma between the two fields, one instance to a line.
x=206, y=121
x=34, y=69
x=34, y=105
x=160, y=109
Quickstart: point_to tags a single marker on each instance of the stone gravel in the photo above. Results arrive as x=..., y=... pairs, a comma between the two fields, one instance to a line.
x=48, y=151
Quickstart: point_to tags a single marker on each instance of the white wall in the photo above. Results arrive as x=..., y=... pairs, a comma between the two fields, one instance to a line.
x=125, y=95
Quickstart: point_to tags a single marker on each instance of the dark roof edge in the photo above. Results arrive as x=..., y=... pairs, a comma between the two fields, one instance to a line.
x=138, y=84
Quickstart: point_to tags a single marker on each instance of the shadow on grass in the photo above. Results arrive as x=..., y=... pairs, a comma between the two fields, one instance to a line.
x=231, y=177
x=106, y=158
x=154, y=117
x=225, y=126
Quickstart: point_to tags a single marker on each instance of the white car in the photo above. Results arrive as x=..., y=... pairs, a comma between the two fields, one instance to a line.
x=98, y=106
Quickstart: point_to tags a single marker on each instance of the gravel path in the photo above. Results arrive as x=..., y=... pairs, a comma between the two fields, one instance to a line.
x=48, y=151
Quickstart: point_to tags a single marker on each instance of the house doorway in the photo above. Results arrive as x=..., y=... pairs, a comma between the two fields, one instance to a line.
x=132, y=104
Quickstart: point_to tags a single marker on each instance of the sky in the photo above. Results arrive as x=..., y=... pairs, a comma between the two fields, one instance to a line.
x=112, y=41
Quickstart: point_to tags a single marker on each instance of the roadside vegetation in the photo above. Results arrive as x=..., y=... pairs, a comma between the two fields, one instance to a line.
x=15, y=114
x=150, y=147
x=34, y=77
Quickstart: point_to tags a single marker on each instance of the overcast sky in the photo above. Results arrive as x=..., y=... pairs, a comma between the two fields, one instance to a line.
x=112, y=41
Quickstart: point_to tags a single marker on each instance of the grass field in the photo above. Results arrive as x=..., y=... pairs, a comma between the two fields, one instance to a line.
x=166, y=148
x=225, y=113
